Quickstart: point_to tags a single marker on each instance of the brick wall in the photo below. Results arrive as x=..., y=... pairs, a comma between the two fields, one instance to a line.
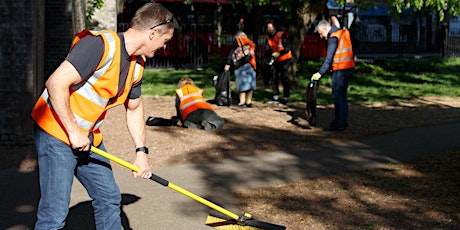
x=58, y=33
x=21, y=67
x=32, y=47
x=59, y=29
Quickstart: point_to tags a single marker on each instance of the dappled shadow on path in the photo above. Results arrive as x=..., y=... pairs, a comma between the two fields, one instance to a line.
x=246, y=163
x=291, y=131
x=421, y=195
x=19, y=194
x=81, y=215
x=19, y=198
x=242, y=157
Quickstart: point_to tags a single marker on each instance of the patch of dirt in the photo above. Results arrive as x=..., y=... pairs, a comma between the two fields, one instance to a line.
x=266, y=128
x=421, y=195
x=403, y=196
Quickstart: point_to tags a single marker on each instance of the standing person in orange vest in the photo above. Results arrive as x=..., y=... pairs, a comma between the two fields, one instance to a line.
x=102, y=70
x=245, y=73
x=341, y=63
x=278, y=48
x=192, y=108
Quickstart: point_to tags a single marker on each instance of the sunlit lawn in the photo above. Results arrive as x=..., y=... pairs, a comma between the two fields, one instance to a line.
x=385, y=80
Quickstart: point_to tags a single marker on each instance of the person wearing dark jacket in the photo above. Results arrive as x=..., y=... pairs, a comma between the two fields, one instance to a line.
x=341, y=63
x=278, y=48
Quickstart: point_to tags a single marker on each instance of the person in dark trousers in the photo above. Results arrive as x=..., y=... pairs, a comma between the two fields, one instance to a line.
x=278, y=48
x=103, y=69
x=340, y=62
x=193, y=110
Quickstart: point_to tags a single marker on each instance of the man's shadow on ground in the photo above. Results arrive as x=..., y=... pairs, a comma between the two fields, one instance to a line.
x=81, y=215
x=295, y=115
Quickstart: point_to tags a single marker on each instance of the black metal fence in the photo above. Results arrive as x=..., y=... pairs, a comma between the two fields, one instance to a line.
x=452, y=47
x=193, y=48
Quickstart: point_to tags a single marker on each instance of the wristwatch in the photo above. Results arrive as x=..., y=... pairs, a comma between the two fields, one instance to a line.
x=143, y=149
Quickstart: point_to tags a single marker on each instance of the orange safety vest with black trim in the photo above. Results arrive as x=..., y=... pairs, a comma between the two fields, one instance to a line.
x=276, y=44
x=252, y=47
x=191, y=98
x=91, y=98
x=343, y=57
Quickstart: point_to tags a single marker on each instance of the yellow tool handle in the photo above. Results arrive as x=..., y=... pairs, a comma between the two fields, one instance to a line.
x=115, y=159
x=165, y=183
x=203, y=201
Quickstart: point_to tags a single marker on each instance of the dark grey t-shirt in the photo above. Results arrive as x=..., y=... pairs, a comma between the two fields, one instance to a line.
x=87, y=54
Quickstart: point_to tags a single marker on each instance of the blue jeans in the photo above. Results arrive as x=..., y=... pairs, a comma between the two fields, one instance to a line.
x=58, y=163
x=340, y=80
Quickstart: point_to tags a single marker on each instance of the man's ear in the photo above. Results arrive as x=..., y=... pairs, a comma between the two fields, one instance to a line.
x=152, y=33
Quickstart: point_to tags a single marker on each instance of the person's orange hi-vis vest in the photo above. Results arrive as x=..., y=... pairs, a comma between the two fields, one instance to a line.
x=90, y=99
x=252, y=47
x=191, y=98
x=343, y=57
x=276, y=44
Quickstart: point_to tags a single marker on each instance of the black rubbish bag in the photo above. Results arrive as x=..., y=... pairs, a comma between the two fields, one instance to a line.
x=223, y=93
x=312, y=90
x=159, y=121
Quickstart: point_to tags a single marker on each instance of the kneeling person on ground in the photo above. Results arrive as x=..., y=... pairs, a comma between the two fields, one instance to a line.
x=192, y=108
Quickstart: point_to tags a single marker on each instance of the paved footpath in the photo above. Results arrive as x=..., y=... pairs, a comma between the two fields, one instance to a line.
x=148, y=205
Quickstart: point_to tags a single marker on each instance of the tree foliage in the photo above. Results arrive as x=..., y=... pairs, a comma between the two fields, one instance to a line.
x=451, y=7
x=83, y=12
x=91, y=7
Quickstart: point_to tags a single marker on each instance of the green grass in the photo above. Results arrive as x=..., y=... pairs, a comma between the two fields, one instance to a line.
x=384, y=80
x=164, y=82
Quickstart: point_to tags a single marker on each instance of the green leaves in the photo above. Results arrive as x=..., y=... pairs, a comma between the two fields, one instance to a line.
x=92, y=6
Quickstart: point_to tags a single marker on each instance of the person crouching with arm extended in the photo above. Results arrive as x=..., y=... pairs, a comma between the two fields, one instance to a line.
x=193, y=109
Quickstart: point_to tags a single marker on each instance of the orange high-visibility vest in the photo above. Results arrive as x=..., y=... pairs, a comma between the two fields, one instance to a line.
x=276, y=44
x=252, y=47
x=343, y=57
x=191, y=98
x=91, y=98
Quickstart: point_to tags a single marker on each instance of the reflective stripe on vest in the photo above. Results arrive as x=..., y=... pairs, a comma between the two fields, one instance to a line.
x=90, y=99
x=343, y=57
x=191, y=103
x=276, y=44
x=191, y=98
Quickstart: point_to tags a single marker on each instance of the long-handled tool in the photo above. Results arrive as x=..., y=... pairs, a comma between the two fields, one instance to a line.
x=222, y=219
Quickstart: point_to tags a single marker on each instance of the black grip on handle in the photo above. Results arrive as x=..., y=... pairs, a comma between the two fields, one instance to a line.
x=159, y=180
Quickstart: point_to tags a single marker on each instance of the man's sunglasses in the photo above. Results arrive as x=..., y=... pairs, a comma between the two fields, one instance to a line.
x=165, y=22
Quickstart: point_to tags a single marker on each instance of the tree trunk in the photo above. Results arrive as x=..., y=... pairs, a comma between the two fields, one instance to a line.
x=219, y=24
x=78, y=15
x=300, y=22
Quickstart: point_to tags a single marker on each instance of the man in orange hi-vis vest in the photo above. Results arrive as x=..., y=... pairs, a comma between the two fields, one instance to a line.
x=103, y=69
x=340, y=61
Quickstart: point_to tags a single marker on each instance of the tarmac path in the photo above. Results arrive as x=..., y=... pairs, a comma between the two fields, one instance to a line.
x=148, y=205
